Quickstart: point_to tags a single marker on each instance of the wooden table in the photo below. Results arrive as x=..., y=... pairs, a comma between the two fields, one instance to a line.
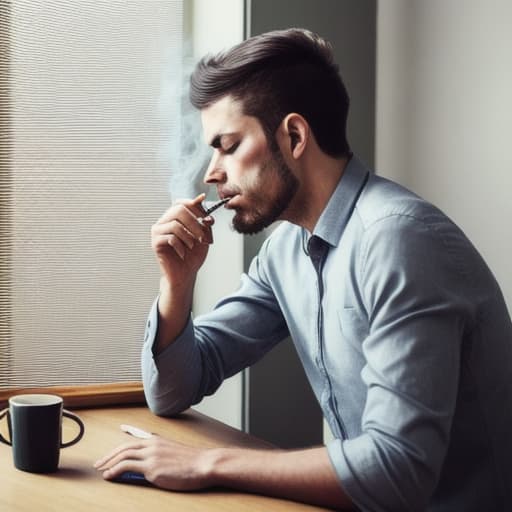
x=77, y=486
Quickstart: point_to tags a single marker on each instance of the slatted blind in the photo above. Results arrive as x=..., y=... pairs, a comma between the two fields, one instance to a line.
x=82, y=179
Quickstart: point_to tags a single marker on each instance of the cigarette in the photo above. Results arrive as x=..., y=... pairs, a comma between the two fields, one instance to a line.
x=136, y=432
x=215, y=206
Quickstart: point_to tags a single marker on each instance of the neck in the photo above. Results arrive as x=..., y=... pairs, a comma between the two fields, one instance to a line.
x=318, y=179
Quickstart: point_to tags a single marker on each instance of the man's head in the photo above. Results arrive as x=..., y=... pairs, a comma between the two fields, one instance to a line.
x=275, y=74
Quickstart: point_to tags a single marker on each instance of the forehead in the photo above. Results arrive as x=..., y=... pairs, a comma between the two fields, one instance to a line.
x=224, y=117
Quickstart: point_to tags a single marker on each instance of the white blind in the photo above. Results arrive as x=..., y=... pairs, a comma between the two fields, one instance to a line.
x=81, y=182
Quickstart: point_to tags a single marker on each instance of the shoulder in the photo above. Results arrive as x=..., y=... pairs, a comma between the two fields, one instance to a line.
x=383, y=200
x=400, y=227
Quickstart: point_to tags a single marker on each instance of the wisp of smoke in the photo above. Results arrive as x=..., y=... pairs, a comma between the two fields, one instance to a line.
x=185, y=153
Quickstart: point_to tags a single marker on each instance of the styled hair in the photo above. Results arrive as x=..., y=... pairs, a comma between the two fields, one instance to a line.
x=277, y=73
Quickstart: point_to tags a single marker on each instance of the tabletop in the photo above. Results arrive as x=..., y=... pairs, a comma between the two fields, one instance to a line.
x=77, y=486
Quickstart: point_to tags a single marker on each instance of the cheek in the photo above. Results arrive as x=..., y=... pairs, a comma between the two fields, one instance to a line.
x=249, y=182
x=250, y=166
x=253, y=157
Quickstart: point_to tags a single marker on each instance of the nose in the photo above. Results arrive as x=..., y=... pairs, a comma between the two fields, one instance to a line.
x=214, y=173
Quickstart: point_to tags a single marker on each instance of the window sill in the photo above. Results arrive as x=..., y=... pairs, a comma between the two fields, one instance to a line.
x=86, y=396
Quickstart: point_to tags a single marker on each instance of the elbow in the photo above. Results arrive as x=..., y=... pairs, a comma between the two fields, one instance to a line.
x=164, y=401
x=167, y=408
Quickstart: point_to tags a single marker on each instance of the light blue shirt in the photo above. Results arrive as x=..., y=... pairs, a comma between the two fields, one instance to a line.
x=405, y=338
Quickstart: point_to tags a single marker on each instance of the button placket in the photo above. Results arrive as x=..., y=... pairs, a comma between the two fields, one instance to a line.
x=317, y=250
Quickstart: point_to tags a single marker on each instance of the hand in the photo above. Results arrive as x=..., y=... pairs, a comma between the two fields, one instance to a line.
x=180, y=241
x=300, y=475
x=164, y=463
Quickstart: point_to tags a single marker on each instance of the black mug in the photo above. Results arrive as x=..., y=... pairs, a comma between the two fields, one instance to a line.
x=35, y=429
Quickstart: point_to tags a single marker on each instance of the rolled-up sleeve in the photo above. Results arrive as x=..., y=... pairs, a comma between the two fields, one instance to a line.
x=239, y=331
x=170, y=377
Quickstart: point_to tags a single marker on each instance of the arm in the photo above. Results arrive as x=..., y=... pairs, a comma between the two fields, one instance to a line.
x=305, y=475
x=238, y=332
x=412, y=279
x=180, y=244
x=217, y=345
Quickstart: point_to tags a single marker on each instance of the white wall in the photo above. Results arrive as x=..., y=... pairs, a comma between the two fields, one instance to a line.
x=215, y=26
x=444, y=108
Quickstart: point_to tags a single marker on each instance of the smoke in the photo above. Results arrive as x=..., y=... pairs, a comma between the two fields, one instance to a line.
x=184, y=151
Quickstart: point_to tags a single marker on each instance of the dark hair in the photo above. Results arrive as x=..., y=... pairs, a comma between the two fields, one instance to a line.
x=277, y=73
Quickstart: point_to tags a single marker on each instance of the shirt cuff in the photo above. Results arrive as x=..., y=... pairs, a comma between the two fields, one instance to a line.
x=171, y=391
x=343, y=471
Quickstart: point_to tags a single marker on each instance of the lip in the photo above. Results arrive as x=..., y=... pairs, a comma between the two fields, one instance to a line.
x=232, y=201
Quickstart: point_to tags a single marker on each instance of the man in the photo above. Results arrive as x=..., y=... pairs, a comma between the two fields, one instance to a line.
x=401, y=328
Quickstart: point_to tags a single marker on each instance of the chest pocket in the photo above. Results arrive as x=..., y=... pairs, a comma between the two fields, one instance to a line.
x=354, y=326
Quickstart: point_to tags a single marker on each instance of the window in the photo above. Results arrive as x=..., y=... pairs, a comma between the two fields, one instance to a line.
x=83, y=176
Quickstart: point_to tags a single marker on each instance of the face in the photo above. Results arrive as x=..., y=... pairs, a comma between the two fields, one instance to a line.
x=246, y=168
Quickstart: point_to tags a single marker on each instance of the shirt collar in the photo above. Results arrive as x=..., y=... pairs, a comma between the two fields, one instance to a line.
x=334, y=218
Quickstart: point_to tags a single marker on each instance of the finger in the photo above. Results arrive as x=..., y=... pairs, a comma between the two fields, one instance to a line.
x=188, y=219
x=137, y=466
x=194, y=205
x=192, y=202
x=199, y=199
x=176, y=211
x=116, y=451
x=160, y=238
x=178, y=246
x=167, y=245
x=125, y=455
x=178, y=229
x=207, y=223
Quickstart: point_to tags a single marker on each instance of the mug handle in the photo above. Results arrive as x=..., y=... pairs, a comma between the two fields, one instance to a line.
x=3, y=413
x=75, y=418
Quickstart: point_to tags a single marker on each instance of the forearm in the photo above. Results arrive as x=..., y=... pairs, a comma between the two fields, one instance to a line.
x=305, y=475
x=174, y=306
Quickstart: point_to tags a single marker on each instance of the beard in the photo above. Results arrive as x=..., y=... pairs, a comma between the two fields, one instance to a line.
x=269, y=207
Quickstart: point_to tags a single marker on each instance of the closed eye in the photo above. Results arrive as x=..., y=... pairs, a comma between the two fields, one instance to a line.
x=231, y=149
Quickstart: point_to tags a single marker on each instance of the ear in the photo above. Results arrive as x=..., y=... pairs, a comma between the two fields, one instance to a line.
x=295, y=132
